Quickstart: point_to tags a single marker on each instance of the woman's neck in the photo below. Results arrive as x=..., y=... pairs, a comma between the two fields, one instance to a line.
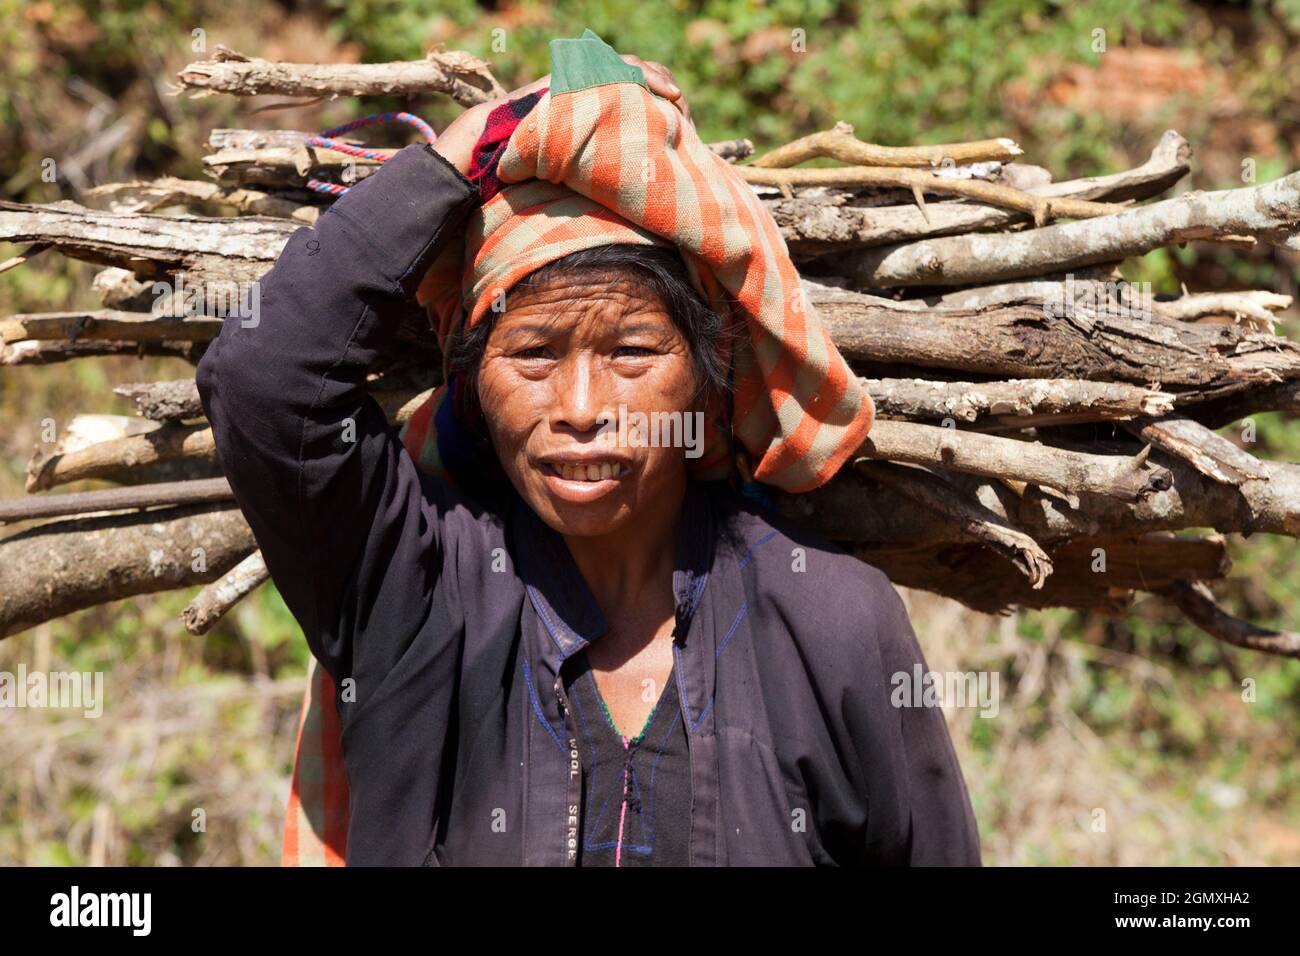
x=634, y=565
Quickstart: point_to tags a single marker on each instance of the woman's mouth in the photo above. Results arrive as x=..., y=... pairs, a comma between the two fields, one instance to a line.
x=583, y=482
x=592, y=472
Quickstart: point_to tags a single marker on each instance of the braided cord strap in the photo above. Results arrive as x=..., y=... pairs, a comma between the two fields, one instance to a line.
x=325, y=141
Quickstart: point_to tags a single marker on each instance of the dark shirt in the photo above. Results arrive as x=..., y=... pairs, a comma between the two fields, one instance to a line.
x=446, y=625
x=636, y=791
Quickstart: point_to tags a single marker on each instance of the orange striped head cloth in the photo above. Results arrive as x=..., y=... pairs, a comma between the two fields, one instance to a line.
x=600, y=160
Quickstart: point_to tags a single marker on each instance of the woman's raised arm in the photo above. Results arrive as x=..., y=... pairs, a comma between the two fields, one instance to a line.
x=348, y=527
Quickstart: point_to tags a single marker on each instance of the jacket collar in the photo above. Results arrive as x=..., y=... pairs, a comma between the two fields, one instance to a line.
x=569, y=612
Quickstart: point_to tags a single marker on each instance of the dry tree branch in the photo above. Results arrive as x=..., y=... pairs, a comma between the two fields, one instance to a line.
x=1071, y=473
x=107, y=325
x=839, y=143
x=1027, y=341
x=976, y=521
x=55, y=569
x=467, y=79
x=36, y=352
x=1257, y=309
x=289, y=167
x=1192, y=501
x=152, y=195
x=813, y=225
x=211, y=604
x=1196, y=602
x=171, y=442
x=197, y=491
x=963, y=572
x=1270, y=211
x=213, y=250
x=1208, y=452
x=1015, y=402
x=921, y=181
x=164, y=401
x=30, y=252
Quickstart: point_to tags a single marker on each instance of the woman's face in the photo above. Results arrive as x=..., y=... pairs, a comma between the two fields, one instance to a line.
x=559, y=363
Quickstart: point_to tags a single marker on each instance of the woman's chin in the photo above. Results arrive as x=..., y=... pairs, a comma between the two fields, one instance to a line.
x=598, y=506
x=581, y=509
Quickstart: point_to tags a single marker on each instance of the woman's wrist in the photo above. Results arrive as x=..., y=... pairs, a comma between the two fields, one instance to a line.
x=456, y=143
x=456, y=170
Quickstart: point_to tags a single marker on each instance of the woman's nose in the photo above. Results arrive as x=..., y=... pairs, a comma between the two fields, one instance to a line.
x=581, y=396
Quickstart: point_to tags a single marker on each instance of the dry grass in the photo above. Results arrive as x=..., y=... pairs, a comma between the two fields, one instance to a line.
x=1049, y=790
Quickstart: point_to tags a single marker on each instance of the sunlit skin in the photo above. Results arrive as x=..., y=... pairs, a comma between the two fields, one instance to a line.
x=559, y=362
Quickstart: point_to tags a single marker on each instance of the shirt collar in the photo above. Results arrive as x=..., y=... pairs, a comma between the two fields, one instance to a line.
x=569, y=611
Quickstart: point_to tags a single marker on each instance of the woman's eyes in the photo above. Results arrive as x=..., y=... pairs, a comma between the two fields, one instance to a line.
x=641, y=349
x=534, y=352
x=636, y=351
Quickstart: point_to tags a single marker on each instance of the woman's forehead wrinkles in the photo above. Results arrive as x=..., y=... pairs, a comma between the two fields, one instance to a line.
x=577, y=295
x=631, y=322
x=552, y=308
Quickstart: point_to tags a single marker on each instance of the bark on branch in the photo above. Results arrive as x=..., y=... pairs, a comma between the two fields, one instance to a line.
x=1197, y=603
x=1097, y=574
x=211, y=604
x=1129, y=478
x=920, y=182
x=467, y=79
x=836, y=219
x=1026, y=341
x=1270, y=211
x=839, y=143
x=1015, y=402
x=55, y=569
x=152, y=195
x=220, y=251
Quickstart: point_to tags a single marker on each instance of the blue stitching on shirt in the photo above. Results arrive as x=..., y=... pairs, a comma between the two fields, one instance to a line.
x=740, y=616
x=693, y=725
x=587, y=823
x=663, y=745
x=750, y=553
x=540, y=605
x=537, y=706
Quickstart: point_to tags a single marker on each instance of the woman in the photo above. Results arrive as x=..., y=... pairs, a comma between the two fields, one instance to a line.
x=556, y=644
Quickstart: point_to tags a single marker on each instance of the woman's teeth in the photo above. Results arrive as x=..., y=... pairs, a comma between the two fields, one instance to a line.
x=586, y=472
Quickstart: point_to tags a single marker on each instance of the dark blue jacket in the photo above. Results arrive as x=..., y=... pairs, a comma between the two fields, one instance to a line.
x=445, y=623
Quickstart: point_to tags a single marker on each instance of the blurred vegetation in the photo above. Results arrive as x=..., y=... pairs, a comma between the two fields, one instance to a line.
x=1142, y=718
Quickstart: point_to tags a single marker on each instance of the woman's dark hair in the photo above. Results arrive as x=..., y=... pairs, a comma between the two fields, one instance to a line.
x=658, y=270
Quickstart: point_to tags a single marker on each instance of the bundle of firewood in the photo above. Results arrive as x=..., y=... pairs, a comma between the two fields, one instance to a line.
x=1045, y=429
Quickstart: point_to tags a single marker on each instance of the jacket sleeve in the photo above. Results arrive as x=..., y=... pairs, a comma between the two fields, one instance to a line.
x=350, y=530
x=919, y=810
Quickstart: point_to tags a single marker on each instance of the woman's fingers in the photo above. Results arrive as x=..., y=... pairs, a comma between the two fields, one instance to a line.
x=657, y=76
x=660, y=80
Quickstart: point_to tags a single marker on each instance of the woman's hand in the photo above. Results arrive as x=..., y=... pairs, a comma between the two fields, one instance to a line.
x=456, y=142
